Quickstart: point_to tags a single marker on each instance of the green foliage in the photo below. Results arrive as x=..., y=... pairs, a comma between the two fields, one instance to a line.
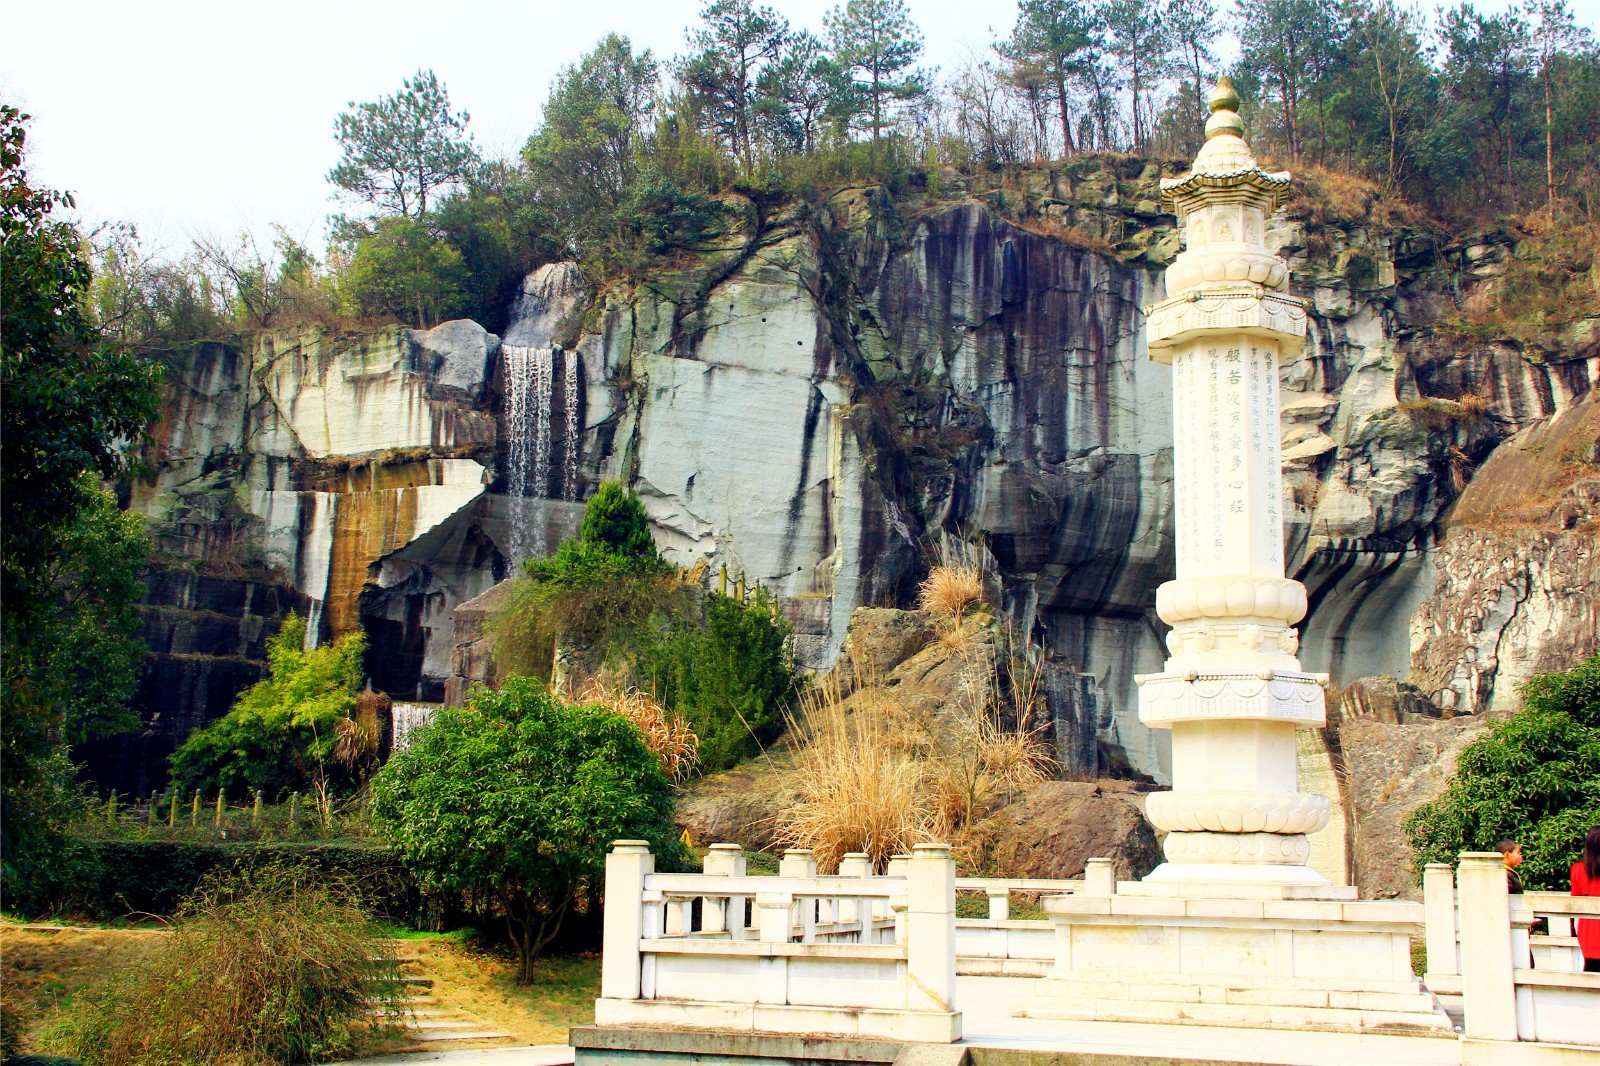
x=874, y=45
x=291, y=729
x=733, y=678
x=68, y=562
x=585, y=157
x=108, y=879
x=400, y=149
x=733, y=63
x=593, y=591
x=1533, y=778
x=271, y=965
x=400, y=268
x=615, y=521
x=513, y=800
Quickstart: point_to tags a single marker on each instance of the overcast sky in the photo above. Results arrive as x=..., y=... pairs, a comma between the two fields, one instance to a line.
x=192, y=117
x=188, y=117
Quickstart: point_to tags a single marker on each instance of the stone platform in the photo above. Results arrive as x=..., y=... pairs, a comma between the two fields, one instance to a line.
x=1305, y=964
x=995, y=1037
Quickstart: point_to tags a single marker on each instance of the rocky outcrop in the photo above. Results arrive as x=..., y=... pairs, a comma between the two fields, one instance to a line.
x=205, y=637
x=1059, y=825
x=1518, y=576
x=1390, y=769
x=827, y=395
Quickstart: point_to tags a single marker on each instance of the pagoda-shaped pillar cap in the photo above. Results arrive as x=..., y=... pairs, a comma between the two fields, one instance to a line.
x=1225, y=169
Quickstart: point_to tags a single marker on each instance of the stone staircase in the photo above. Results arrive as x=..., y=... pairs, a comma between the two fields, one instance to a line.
x=436, y=1025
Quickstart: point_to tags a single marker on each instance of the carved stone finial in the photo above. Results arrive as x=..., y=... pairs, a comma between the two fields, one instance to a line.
x=1224, y=97
x=1225, y=120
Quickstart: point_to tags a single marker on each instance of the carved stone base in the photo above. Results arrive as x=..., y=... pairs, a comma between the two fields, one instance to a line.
x=1271, y=696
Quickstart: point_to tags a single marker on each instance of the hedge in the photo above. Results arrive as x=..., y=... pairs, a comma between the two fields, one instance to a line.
x=105, y=879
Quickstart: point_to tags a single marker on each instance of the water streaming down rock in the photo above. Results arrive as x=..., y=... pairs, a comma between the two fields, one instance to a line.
x=531, y=403
x=569, y=466
x=407, y=719
x=314, y=557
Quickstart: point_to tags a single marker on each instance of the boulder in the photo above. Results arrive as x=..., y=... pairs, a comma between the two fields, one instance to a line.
x=1391, y=769
x=880, y=639
x=1055, y=828
x=740, y=806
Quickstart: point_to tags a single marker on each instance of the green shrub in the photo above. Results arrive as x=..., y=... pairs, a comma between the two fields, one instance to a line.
x=513, y=800
x=615, y=522
x=106, y=879
x=272, y=965
x=591, y=594
x=300, y=726
x=732, y=678
x=1532, y=778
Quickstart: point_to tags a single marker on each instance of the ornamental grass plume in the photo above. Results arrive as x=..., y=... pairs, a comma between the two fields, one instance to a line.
x=666, y=733
x=859, y=787
x=948, y=591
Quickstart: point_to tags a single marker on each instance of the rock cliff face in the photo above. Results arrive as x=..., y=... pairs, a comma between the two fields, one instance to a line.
x=824, y=399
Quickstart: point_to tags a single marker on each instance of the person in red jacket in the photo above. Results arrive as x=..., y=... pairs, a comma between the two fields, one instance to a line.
x=1586, y=882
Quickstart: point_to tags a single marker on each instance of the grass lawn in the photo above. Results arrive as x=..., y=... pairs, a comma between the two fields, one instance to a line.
x=42, y=967
x=562, y=995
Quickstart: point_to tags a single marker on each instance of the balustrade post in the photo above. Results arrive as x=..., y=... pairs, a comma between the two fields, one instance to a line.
x=1099, y=878
x=999, y=903
x=719, y=914
x=1488, y=987
x=855, y=864
x=627, y=866
x=799, y=862
x=1439, y=918
x=899, y=866
x=931, y=929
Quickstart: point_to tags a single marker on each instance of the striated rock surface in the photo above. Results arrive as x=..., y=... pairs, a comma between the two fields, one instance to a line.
x=1389, y=769
x=1518, y=576
x=823, y=397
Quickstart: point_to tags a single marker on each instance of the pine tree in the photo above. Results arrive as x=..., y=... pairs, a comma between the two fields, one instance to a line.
x=875, y=44
x=402, y=148
x=727, y=68
x=1048, y=47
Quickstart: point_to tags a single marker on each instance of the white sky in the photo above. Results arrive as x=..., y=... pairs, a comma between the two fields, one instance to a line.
x=189, y=117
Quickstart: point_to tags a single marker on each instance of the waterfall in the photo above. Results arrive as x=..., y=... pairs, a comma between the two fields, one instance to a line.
x=315, y=558
x=406, y=719
x=569, y=399
x=530, y=388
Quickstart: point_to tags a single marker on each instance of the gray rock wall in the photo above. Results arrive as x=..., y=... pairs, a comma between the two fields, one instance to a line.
x=828, y=400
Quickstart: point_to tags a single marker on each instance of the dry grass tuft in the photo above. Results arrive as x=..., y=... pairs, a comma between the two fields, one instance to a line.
x=948, y=591
x=859, y=787
x=666, y=733
x=1072, y=236
x=876, y=775
x=1475, y=405
x=265, y=967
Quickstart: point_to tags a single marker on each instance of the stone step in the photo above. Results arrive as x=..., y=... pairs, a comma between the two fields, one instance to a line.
x=456, y=1022
x=1422, y=1023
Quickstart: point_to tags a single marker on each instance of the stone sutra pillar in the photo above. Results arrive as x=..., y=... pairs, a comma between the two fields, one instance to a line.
x=1232, y=692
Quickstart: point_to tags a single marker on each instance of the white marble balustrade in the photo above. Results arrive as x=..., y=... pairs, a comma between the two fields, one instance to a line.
x=1519, y=992
x=850, y=954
